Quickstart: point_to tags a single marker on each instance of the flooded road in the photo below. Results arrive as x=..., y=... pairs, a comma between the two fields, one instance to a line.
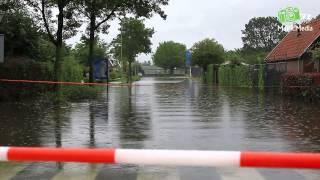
x=173, y=113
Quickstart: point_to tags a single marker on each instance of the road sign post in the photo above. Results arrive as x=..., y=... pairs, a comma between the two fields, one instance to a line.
x=188, y=61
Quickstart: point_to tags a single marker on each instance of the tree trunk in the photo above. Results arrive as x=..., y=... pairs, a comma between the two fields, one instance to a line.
x=59, y=52
x=124, y=67
x=91, y=45
x=129, y=73
x=58, y=65
x=171, y=71
x=204, y=73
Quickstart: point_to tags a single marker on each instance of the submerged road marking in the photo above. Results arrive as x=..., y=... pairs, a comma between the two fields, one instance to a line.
x=10, y=170
x=37, y=171
x=236, y=174
x=78, y=172
x=145, y=173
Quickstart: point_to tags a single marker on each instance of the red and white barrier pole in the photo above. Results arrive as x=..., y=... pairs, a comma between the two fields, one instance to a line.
x=163, y=157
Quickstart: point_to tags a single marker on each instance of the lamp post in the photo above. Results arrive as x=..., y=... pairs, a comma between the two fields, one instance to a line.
x=121, y=45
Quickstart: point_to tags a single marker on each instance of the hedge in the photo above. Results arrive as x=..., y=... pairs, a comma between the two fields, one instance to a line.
x=234, y=75
x=27, y=69
x=211, y=73
x=301, y=85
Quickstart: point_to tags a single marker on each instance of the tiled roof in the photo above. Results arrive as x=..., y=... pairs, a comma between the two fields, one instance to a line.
x=294, y=46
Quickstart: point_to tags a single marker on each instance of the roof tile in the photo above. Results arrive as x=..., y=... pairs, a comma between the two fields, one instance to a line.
x=293, y=46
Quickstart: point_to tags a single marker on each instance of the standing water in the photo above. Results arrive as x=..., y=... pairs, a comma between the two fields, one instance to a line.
x=171, y=113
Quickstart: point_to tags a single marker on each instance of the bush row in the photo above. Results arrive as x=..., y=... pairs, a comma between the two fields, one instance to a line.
x=237, y=75
x=234, y=75
x=27, y=69
x=211, y=75
x=301, y=85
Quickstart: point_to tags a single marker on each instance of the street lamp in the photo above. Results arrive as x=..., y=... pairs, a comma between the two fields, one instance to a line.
x=121, y=43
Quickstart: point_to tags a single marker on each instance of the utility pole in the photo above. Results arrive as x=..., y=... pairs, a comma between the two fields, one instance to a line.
x=121, y=44
x=121, y=48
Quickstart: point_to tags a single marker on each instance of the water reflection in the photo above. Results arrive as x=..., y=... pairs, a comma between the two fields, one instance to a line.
x=163, y=115
x=57, y=126
x=269, y=119
x=299, y=124
x=92, y=140
x=168, y=114
x=21, y=124
x=134, y=121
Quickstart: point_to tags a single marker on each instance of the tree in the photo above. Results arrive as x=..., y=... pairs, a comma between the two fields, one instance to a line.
x=11, y=6
x=135, y=38
x=23, y=37
x=234, y=57
x=100, y=12
x=253, y=56
x=59, y=28
x=262, y=33
x=21, y=33
x=207, y=51
x=81, y=50
x=170, y=55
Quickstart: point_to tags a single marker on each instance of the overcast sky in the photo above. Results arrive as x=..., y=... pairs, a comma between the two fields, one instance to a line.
x=190, y=21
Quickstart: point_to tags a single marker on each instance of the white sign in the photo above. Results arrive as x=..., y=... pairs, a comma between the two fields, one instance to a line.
x=1, y=48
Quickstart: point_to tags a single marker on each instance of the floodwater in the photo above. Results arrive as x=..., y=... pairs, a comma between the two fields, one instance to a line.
x=172, y=113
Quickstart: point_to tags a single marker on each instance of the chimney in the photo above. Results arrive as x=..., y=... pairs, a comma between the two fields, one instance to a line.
x=298, y=30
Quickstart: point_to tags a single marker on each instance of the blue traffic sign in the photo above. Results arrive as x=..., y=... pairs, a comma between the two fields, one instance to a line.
x=188, y=57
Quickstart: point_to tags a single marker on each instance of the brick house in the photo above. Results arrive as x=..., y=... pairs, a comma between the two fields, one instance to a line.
x=293, y=51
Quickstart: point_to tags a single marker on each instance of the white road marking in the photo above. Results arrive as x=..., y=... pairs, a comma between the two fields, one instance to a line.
x=10, y=170
x=309, y=174
x=78, y=172
x=158, y=174
x=237, y=173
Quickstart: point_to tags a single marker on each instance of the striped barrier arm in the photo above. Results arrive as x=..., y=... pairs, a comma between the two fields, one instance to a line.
x=163, y=157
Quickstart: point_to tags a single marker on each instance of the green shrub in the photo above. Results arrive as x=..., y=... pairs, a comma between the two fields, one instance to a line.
x=261, y=76
x=24, y=69
x=72, y=71
x=301, y=85
x=210, y=74
x=113, y=75
x=79, y=92
x=233, y=75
